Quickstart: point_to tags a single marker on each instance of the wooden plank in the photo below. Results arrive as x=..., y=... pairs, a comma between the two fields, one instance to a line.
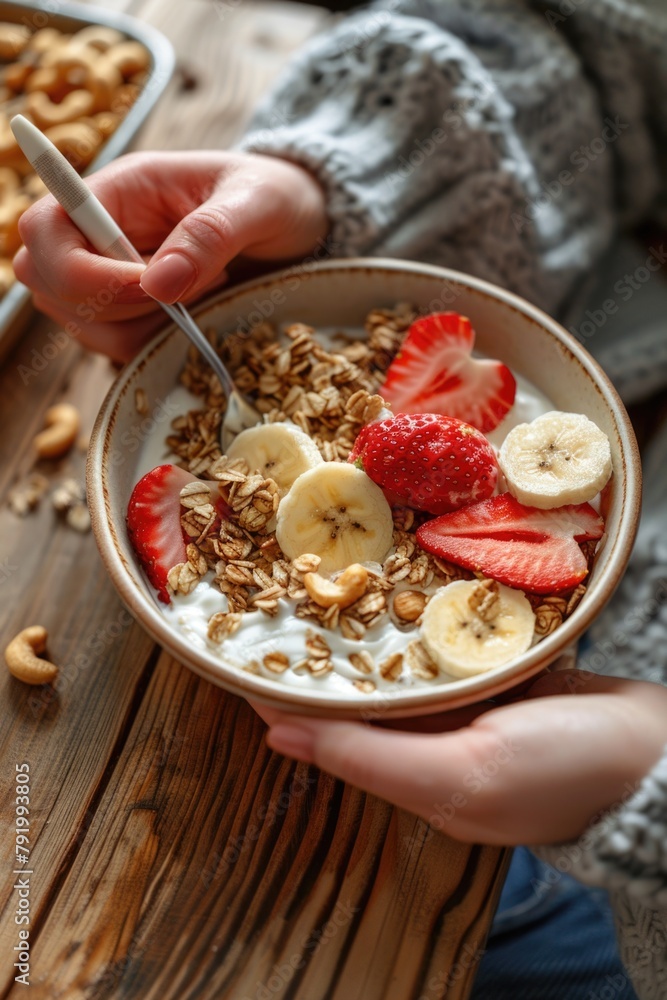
x=214, y=868
x=52, y=575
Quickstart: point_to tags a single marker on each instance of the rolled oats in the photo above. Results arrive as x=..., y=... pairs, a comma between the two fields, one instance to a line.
x=419, y=661
x=141, y=402
x=223, y=624
x=366, y=686
x=362, y=661
x=276, y=662
x=392, y=668
x=330, y=394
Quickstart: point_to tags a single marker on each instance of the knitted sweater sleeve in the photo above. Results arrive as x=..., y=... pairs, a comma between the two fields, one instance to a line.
x=431, y=147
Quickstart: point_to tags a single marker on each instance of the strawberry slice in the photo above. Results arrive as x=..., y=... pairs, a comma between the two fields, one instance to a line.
x=523, y=547
x=154, y=523
x=434, y=373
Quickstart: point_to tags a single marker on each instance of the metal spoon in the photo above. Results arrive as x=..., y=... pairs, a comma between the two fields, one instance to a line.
x=90, y=216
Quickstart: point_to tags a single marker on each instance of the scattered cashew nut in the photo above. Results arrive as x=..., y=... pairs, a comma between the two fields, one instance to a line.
x=22, y=657
x=343, y=591
x=62, y=426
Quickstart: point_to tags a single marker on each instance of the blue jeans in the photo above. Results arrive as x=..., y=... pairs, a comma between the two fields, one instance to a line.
x=552, y=939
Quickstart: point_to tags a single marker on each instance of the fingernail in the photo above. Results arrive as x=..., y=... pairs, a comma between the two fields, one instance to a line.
x=131, y=294
x=292, y=741
x=169, y=278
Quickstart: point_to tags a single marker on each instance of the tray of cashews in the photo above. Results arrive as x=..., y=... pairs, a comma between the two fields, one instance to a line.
x=88, y=78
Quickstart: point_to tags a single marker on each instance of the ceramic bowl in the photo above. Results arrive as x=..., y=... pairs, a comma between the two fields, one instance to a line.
x=341, y=293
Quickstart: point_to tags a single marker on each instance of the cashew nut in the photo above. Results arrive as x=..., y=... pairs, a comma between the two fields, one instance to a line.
x=98, y=37
x=11, y=210
x=107, y=122
x=45, y=113
x=62, y=426
x=78, y=141
x=10, y=154
x=124, y=98
x=22, y=657
x=103, y=81
x=16, y=74
x=49, y=80
x=130, y=58
x=7, y=278
x=69, y=56
x=46, y=39
x=344, y=591
x=13, y=40
x=34, y=187
x=9, y=182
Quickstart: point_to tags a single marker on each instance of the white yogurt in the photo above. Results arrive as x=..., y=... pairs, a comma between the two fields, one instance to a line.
x=260, y=634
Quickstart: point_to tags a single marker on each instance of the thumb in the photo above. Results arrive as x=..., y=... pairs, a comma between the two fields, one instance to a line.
x=194, y=255
x=574, y=682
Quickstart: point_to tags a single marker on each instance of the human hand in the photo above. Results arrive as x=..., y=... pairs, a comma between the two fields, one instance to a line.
x=535, y=771
x=190, y=213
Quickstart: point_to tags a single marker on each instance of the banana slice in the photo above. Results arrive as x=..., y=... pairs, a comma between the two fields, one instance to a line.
x=338, y=513
x=472, y=626
x=277, y=451
x=559, y=458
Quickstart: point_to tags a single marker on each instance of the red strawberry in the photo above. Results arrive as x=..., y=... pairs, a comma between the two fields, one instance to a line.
x=434, y=373
x=523, y=547
x=427, y=461
x=154, y=523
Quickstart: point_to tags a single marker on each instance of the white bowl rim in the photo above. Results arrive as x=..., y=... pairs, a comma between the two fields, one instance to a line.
x=408, y=701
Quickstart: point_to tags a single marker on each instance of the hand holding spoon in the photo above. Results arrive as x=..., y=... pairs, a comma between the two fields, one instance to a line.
x=91, y=217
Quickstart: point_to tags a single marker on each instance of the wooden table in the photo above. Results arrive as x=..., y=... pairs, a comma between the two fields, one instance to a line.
x=172, y=854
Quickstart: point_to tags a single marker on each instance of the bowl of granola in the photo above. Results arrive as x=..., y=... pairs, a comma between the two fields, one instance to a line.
x=441, y=496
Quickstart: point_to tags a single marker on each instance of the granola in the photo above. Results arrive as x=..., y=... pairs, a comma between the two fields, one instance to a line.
x=330, y=394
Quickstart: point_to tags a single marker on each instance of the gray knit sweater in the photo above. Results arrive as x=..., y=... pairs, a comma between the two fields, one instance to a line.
x=512, y=139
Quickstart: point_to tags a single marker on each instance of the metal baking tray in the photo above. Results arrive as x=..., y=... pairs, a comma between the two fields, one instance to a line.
x=16, y=307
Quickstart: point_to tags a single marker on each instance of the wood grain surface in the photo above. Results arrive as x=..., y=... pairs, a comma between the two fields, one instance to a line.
x=172, y=854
